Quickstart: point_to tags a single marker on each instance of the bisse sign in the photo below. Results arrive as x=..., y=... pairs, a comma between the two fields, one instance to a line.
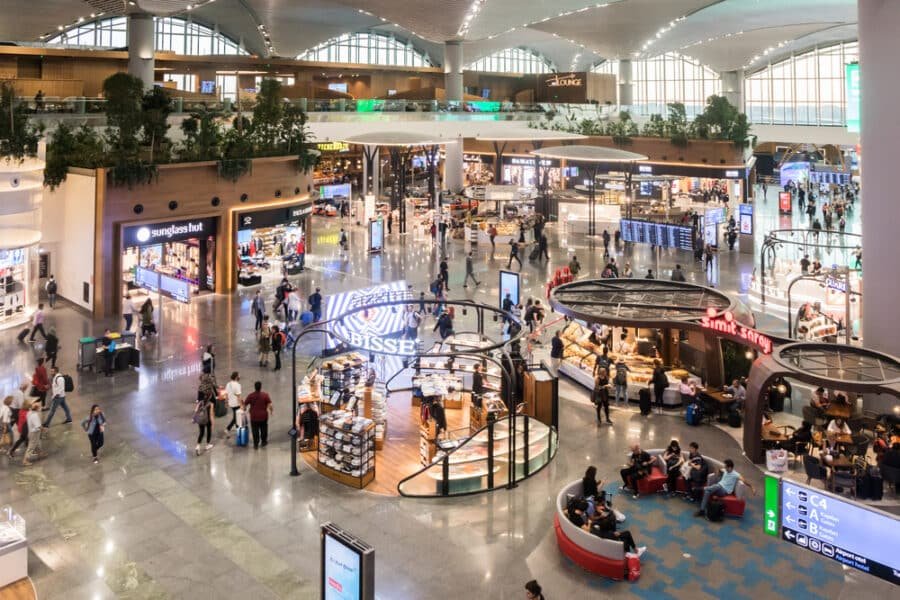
x=728, y=326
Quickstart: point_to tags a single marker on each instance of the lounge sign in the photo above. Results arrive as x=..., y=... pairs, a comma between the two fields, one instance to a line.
x=729, y=327
x=565, y=80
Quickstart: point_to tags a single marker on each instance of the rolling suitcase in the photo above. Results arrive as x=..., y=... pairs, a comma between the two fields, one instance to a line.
x=534, y=253
x=242, y=436
x=692, y=414
x=306, y=318
x=876, y=482
x=734, y=419
x=715, y=511
x=644, y=401
x=23, y=334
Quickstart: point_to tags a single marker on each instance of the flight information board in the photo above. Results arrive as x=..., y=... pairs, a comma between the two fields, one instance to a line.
x=845, y=531
x=657, y=234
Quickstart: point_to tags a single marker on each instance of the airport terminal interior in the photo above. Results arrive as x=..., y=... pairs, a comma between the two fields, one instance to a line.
x=484, y=299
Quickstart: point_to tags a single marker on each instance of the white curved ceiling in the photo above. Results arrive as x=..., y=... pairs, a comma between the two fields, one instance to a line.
x=726, y=34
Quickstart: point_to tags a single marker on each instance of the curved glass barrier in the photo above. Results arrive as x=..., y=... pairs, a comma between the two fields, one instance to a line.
x=481, y=462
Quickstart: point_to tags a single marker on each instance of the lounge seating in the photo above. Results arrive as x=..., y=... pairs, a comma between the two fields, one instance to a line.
x=590, y=552
x=735, y=504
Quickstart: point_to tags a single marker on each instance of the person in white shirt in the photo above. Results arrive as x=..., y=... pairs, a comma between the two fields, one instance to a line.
x=294, y=305
x=18, y=400
x=58, y=386
x=838, y=427
x=34, y=434
x=233, y=393
x=412, y=323
x=6, y=418
x=37, y=323
x=127, y=311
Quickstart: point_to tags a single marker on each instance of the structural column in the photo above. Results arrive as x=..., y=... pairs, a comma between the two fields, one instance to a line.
x=733, y=87
x=453, y=166
x=879, y=21
x=140, y=47
x=626, y=87
x=453, y=71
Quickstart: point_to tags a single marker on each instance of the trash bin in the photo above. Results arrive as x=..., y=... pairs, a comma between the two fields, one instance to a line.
x=777, y=460
x=87, y=353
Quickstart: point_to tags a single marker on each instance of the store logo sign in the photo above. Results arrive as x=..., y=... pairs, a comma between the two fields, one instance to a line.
x=727, y=325
x=374, y=343
x=247, y=220
x=143, y=234
x=171, y=231
x=565, y=80
x=836, y=284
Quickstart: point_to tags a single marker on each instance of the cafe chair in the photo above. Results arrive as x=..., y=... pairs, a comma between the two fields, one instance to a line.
x=891, y=477
x=860, y=444
x=814, y=470
x=844, y=480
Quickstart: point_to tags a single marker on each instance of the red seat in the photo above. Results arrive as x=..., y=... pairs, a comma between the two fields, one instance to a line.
x=607, y=567
x=734, y=506
x=653, y=482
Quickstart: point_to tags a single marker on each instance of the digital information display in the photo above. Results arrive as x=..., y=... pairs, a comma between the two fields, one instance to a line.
x=658, y=234
x=348, y=566
x=329, y=192
x=785, y=203
x=147, y=279
x=745, y=222
x=844, y=531
x=509, y=284
x=376, y=235
x=176, y=289
x=715, y=215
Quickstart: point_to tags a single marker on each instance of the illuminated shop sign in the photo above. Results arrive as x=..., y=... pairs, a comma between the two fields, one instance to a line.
x=645, y=169
x=838, y=284
x=333, y=147
x=732, y=174
x=383, y=345
x=565, y=80
x=171, y=231
x=528, y=162
x=273, y=217
x=728, y=326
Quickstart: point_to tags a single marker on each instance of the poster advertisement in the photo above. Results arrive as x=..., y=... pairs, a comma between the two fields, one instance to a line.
x=342, y=571
x=376, y=235
x=785, y=203
x=509, y=284
x=745, y=212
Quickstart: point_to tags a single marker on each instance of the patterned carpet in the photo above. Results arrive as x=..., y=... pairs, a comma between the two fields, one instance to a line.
x=690, y=557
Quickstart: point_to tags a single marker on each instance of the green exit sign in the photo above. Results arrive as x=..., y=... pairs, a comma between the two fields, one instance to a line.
x=773, y=504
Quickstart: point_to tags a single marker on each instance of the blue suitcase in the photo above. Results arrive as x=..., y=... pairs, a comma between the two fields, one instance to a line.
x=242, y=437
x=306, y=318
x=692, y=414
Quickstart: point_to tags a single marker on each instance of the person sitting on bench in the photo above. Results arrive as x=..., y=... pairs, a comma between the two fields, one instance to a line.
x=604, y=526
x=638, y=467
x=697, y=470
x=727, y=482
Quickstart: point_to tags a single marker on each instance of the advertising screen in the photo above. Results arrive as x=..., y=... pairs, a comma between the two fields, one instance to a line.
x=509, y=284
x=376, y=235
x=342, y=571
x=853, y=97
x=207, y=87
x=329, y=192
x=147, y=279
x=844, y=531
x=711, y=234
x=338, y=87
x=715, y=215
x=376, y=322
x=785, y=203
x=745, y=212
x=177, y=289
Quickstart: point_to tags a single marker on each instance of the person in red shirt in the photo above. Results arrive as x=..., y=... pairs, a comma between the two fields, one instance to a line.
x=41, y=383
x=260, y=407
x=301, y=252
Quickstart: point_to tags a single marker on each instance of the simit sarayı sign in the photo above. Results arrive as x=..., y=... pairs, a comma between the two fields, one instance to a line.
x=169, y=231
x=727, y=326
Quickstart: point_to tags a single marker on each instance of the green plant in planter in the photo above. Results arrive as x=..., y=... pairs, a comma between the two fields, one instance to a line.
x=295, y=137
x=655, y=127
x=676, y=124
x=237, y=149
x=18, y=138
x=155, y=110
x=721, y=120
x=124, y=95
x=202, y=137
x=83, y=147
x=267, y=118
x=131, y=172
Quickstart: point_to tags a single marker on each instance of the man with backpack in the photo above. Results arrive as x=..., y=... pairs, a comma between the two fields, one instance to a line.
x=58, y=386
x=279, y=339
x=51, y=291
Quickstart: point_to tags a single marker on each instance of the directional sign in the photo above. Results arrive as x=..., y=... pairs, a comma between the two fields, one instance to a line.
x=845, y=531
x=772, y=506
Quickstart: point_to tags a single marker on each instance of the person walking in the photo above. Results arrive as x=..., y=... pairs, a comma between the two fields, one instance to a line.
x=21, y=425
x=301, y=252
x=233, y=393
x=209, y=360
x=18, y=401
x=413, y=320
x=542, y=247
x=204, y=416
x=492, y=234
x=6, y=422
x=605, y=242
x=343, y=240
x=264, y=342
x=94, y=426
x=514, y=254
x=127, y=311
x=51, y=346
x=621, y=380
x=470, y=271
x=315, y=305
x=40, y=383
x=58, y=387
x=258, y=309
x=37, y=323
x=601, y=395
x=294, y=306
x=147, y=326
x=51, y=288
x=33, y=423
x=279, y=339
x=444, y=272
x=260, y=408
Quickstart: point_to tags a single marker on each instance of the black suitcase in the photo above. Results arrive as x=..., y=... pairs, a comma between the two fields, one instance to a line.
x=715, y=511
x=734, y=419
x=644, y=401
x=23, y=334
x=864, y=487
x=877, y=483
x=534, y=253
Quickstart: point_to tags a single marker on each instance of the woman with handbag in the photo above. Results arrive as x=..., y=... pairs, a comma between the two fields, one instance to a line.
x=94, y=426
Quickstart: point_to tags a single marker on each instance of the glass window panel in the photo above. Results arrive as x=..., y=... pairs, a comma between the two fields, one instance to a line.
x=366, y=48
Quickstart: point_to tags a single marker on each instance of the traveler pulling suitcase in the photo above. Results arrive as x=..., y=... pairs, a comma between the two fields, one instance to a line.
x=692, y=414
x=644, y=401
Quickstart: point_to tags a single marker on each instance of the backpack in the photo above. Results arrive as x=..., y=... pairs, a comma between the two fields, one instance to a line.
x=51, y=287
x=201, y=413
x=278, y=340
x=68, y=383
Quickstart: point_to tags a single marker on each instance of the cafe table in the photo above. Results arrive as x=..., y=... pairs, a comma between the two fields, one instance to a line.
x=721, y=398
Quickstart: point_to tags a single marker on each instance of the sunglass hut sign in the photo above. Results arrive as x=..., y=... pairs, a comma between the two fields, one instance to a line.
x=168, y=232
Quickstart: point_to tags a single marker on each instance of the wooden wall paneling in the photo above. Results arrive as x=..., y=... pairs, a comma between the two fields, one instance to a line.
x=8, y=68
x=52, y=88
x=58, y=68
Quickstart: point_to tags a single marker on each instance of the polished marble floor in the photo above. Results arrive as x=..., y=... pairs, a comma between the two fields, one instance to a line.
x=154, y=521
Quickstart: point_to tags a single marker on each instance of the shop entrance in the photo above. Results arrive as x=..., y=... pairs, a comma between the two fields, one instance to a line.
x=272, y=243
x=184, y=250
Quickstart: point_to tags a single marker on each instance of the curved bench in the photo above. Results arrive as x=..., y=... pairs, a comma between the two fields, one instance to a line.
x=590, y=552
x=735, y=503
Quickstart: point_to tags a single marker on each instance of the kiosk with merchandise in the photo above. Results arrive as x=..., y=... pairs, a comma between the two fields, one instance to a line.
x=18, y=275
x=183, y=250
x=446, y=401
x=272, y=242
x=13, y=550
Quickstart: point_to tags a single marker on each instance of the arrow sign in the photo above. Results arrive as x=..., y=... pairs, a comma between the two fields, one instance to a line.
x=789, y=505
x=771, y=513
x=789, y=535
x=789, y=519
x=789, y=492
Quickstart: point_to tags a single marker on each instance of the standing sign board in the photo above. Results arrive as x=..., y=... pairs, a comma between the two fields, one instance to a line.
x=840, y=529
x=376, y=235
x=509, y=284
x=348, y=566
x=785, y=203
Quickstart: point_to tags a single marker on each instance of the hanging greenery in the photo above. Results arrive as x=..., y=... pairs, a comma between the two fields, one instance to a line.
x=83, y=147
x=155, y=110
x=18, y=138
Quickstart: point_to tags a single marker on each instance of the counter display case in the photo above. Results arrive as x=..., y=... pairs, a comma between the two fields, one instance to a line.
x=13, y=547
x=580, y=355
x=346, y=448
